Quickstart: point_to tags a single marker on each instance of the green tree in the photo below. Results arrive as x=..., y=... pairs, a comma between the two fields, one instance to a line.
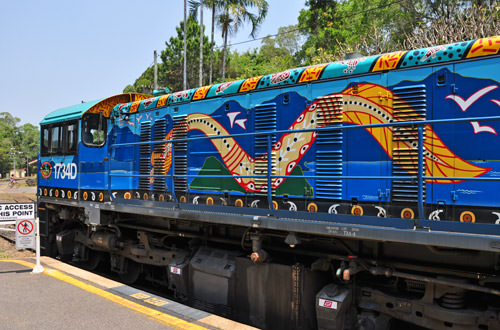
x=233, y=14
x=244, y=65
x=319, y=23
x=453, y=21
x=170, y=70
x=19, y=142
x=193, y=8
x=334, y=28
x=143, y=84
x=367, y=26
x=276, y=54
x=184, y=51
x=214, y=6
x=29, y=144
x=279, y=51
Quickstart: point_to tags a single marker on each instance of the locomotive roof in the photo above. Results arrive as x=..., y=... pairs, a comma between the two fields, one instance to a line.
x=67, y=113
x=390, y=61
x=97, y=106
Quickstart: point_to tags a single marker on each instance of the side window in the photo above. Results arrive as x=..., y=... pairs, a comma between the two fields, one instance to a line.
x=59, y=139
x=45, y=141
x=55, y=140
x=94, y=129
x=71, y=138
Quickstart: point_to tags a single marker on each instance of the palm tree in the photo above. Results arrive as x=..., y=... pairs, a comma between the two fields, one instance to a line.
x=214, y=5
x=234, y=13
x=185, y=55
x=200, y=83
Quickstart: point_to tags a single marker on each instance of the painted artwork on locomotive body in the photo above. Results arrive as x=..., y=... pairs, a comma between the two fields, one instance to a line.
x=312, y=172
x=447, y=153
x=363, y=107
x=312, y=168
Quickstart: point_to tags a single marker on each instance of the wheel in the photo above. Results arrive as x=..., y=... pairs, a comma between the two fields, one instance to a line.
x=132, y=272
x=94, y=259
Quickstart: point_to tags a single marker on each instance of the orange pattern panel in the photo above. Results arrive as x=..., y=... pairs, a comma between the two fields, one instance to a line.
x=139, y=97
x=134, y=106
x=162, y=100
x=484, y=47
x=249, y=84
x=388, y=61
x=312, y=73
x=107, y=105
x=201, y=93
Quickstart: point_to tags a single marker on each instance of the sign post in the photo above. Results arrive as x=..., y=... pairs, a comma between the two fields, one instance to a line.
x=27, y=227
x=38, y=266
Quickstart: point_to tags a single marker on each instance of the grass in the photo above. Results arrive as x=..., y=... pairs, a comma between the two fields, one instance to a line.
x=6, y=197
x=20, y=182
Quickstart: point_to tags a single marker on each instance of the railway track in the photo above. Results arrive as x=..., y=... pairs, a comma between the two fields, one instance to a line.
x=9, y=236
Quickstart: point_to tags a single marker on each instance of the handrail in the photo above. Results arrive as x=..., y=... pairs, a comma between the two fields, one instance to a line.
x=420, y=177
x=319, y=130
x=420, y=173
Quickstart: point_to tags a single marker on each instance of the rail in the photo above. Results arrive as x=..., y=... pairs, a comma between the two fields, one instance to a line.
x=420, y=177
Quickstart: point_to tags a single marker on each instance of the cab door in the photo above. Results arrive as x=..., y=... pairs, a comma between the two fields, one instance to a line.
x=58, y=160
x=93, y=158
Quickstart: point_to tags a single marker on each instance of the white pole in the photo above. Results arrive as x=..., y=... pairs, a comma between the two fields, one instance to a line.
x=38, y=267
x=185, y=56
x=155, y=79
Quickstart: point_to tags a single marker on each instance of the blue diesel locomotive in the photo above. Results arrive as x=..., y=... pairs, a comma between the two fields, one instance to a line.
x=338, y=196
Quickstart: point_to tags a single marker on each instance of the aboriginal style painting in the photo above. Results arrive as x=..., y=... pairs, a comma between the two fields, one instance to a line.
x=304, y=149
x=293, y=140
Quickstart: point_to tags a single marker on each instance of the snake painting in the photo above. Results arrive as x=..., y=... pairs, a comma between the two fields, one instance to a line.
x=361, y=104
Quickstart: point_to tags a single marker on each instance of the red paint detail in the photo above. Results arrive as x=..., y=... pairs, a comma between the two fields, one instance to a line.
x=328, y=304
x=25, y=227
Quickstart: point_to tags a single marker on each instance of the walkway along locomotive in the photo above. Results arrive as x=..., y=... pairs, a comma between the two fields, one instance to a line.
x=338, y=196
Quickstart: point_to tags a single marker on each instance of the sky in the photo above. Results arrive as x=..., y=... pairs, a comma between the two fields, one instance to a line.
x=57, y=53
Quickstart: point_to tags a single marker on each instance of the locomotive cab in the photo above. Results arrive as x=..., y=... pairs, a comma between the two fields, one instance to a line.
x=73, y=153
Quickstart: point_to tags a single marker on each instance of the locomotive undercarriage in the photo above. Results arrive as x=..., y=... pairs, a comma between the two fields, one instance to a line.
x=277, y=279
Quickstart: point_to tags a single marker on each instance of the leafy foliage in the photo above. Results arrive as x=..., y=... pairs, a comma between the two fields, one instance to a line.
x=275, y=55
x=367, y=26
x=233, y=14
x=170, y=69
x=326, y=31
x=451, y=23
x=19, y=142
x=143, y=84
x=170, y=73
x=334, y=28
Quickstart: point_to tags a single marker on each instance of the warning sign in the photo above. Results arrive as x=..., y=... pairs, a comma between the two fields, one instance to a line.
x=17, y=211
x=25, y=234
x=25, y=227
x=327, y=303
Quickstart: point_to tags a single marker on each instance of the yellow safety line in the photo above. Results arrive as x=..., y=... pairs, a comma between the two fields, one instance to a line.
x=153, y=314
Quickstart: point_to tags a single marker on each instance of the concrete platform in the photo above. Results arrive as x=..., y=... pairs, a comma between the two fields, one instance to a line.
x=66, y=297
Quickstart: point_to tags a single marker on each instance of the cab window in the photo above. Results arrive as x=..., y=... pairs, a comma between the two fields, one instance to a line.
x=72, y=137
x=56, y=140
x=59, y=139
x=94, y=129
x=45, y=141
